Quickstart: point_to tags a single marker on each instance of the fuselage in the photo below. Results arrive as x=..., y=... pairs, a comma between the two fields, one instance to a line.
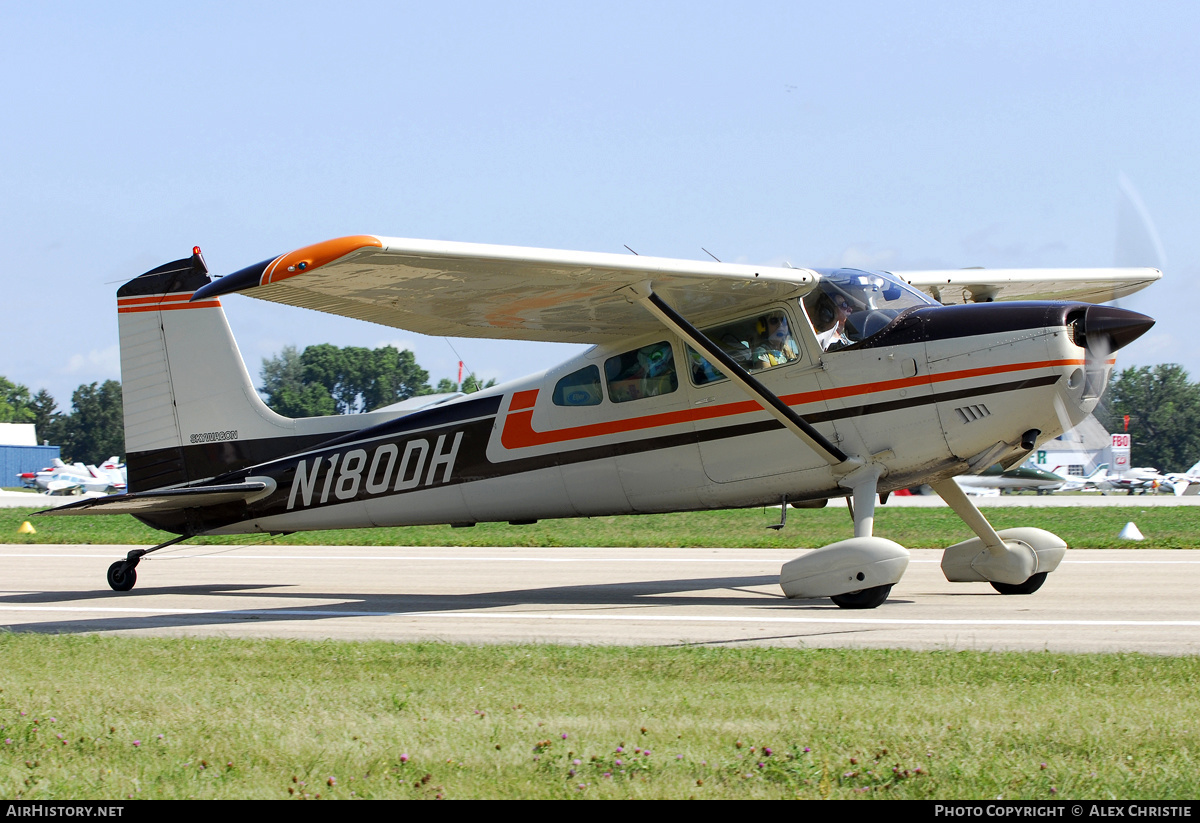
x=935, y=392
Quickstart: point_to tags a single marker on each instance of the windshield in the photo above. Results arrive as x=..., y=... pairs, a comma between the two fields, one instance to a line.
x=850, y=305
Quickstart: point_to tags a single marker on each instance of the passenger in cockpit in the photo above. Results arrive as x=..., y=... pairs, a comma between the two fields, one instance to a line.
x=777, y=346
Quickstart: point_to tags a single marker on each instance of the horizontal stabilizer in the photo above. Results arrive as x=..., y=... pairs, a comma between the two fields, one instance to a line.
x=164, y=500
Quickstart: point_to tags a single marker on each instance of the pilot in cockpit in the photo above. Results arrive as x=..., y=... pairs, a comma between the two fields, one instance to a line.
x=850, y=305
x=829, y=320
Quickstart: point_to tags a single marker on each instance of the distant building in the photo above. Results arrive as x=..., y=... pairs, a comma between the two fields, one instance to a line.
x=20, y=453
x=17, y=434
x=1075, y=453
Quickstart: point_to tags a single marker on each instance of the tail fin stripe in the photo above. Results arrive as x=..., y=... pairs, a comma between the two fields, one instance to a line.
x=208, y=304
x=155, y=299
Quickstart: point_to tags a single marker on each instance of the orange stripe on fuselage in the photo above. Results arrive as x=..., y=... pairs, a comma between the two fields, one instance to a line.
x=518, y=432
x=523, y=400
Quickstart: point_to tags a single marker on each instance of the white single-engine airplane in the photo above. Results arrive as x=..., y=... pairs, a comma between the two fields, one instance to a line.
x=710, y=385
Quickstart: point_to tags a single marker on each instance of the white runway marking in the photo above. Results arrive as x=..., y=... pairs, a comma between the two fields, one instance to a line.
x=482, y=615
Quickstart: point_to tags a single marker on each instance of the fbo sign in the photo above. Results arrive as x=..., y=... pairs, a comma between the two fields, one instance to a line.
x=1120, y=446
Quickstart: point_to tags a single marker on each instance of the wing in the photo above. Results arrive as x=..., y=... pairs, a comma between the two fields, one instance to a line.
x=981, y=285
x=505, y=292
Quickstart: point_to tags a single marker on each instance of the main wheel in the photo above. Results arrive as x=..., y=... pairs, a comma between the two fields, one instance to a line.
x=863, y=598
x=121, y=576
x=1028, y=587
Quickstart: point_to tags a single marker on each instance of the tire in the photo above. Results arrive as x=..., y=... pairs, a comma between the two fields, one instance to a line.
x=1028, y=587
x=863, y=598
x=121, y=576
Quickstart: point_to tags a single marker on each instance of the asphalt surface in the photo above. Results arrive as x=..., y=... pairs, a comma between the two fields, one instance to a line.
x=1098, y=601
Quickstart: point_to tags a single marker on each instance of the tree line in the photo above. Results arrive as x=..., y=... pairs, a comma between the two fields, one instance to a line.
x=1162, y=403
x=325, y=379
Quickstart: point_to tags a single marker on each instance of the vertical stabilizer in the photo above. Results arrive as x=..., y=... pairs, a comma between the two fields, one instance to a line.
x=191, y=410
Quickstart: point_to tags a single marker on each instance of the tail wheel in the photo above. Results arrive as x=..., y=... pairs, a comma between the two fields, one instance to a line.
x=1028, y=587
x=863, y=598
x=121, y=576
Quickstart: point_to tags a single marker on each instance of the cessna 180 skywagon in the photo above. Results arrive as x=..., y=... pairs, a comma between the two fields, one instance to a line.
x=709, y=385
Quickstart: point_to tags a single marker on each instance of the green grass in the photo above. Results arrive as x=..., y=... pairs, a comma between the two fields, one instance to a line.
x=106, y=717
x=1082, y=527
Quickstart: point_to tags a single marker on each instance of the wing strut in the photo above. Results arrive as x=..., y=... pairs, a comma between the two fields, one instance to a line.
x=644, y=294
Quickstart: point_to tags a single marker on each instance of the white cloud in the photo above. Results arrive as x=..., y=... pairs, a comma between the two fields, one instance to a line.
x=400, y=343
x=105, y=362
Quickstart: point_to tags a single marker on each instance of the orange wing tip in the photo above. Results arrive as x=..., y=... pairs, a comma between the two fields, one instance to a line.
x=315, y=256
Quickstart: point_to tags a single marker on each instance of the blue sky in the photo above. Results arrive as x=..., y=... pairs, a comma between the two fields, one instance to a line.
x=889, y=135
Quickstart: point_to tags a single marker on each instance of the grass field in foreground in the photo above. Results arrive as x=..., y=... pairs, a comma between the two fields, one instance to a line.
x=109, y=717
x=1082, y=527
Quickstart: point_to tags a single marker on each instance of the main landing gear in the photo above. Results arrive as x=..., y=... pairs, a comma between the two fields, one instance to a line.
x=122, y=575
x=859, y=573
x=1014, y=561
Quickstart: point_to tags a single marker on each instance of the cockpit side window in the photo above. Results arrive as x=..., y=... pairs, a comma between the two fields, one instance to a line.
x=850, y=305
x=760, y=342
x=579, y=388
x=645, y=372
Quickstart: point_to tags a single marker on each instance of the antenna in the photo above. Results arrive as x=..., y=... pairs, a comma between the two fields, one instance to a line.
x=631, y=250
x=460, y=362
x=710, y=254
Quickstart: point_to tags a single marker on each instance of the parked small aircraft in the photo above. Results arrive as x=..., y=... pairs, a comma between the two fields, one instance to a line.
x=1090, y=483
x=710, y=385
x=1185, y=483
x=60, y=478
x=1025, y=477
x=1138, y=480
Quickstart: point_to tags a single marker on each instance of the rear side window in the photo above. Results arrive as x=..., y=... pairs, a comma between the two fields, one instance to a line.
x=645, y=372
x=580, y=388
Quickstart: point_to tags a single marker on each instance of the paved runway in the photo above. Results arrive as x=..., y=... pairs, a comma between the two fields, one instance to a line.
x=1111, y=600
